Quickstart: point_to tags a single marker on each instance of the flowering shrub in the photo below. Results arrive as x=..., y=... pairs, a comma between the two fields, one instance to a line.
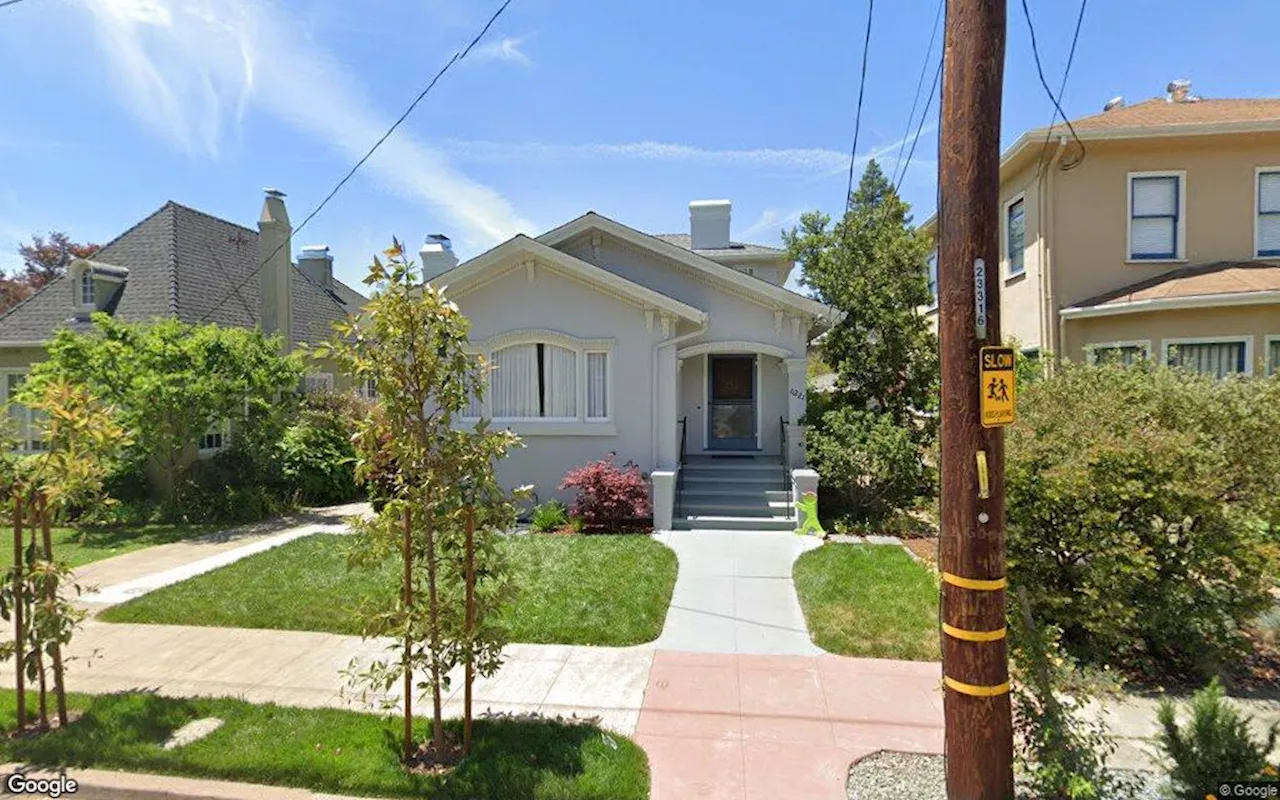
x=608, y=495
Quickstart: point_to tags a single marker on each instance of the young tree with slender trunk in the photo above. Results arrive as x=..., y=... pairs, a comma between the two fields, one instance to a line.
x=443, y=505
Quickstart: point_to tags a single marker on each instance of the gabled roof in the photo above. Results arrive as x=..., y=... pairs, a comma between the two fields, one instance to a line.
x=1217, y=284
x=469, y=274
x=767, y=293
x=188, y=265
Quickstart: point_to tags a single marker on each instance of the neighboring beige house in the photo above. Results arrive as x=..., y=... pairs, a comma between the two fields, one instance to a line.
x=680, y=352
x=1162, y=243
x=180, y=263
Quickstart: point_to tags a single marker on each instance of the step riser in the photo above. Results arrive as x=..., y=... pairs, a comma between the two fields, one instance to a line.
x=734, y=495
x=738, y=524
x=714, y=510
x=763, y=483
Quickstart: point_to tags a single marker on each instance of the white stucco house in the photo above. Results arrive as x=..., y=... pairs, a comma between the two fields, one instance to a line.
x=680, y=352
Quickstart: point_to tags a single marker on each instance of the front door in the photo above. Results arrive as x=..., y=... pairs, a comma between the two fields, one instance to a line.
x=731, y=409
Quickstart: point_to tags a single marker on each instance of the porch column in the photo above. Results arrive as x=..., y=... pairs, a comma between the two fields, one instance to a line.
x=665, y=391
x=796, y=404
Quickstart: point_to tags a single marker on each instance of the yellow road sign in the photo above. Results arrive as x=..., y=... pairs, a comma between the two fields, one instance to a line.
x=998, y=403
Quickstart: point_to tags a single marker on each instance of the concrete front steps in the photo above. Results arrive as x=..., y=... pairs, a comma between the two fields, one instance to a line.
x=744, y=493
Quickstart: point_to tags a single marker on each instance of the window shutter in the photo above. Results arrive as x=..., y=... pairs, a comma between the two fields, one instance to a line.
x=597, y=385
x=1155, y=196
x=1153, y=236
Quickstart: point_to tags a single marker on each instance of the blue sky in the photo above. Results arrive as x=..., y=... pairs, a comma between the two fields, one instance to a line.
x=112, y=107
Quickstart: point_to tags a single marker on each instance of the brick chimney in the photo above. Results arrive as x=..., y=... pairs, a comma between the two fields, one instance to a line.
x=275, y=275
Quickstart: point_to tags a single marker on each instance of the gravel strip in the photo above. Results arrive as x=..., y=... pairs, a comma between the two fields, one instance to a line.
x=896, y=776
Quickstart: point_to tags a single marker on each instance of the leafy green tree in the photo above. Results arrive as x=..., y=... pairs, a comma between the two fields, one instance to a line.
x=170, y=382
x=871, y=266
x=442, y=507
x=81, y=440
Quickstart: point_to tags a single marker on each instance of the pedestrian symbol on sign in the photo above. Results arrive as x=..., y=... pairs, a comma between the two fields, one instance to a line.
x=997, y=396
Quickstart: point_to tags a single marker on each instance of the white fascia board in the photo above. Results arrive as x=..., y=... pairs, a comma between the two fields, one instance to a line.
x=1173, y=303
x=730, y=277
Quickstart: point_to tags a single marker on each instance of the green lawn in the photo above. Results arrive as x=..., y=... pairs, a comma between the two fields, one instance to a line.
x=872, y=601
x=82, y=546
x=597, y=589
x=331, y=751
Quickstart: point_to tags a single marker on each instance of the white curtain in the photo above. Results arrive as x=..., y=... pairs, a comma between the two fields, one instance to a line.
x=1213, y=358
x=515, y=382
x=560, y=374
x=597, y=385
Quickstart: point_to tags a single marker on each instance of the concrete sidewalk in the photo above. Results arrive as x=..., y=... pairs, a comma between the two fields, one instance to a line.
x=124, y=577
x=299, y=668
x=734, y=594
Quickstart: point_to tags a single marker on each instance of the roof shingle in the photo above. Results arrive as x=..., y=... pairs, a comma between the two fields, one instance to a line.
x=1158, y=112
x=188, y=265
x=734, y=248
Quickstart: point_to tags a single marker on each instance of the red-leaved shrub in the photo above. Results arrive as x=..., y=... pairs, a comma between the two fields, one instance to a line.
x=608, y=495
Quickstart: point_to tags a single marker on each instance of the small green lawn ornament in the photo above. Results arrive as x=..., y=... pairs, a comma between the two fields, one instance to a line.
x=807, y=508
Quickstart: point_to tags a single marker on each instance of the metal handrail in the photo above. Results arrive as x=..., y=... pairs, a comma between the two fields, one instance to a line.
x=684, y=426
x=786, y=464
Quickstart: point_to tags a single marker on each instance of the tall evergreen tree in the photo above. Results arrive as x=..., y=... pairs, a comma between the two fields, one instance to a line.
x=868, y=436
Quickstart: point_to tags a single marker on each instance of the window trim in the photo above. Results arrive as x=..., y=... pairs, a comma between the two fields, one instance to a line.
x=1245, y=339
x=1006, y=260
x=580, y=424
x=1091, y=349
x=1258, y=172
x=933, y=301
x=1267, y=341
x=223, y=428
x=1180, y=222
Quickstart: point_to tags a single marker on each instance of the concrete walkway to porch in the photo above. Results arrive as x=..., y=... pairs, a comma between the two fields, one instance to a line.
x=734, y=594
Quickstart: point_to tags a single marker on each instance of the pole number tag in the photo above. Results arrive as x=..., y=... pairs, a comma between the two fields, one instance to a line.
x=996, y=387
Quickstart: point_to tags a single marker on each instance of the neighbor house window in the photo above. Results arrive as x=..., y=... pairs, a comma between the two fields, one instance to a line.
x=214, y=439
x=24, y=420
x=369, y=389
x=1273, y=355
x=318, y=382
x=1216, y=358
x=86, y=288
x=1126, y=353
x=533, y=381
x=933, y=279
x=1015, y=225
x=1268, y=224
x=1156, y=219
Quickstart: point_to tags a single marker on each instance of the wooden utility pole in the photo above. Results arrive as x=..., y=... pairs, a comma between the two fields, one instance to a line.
x=979, y=736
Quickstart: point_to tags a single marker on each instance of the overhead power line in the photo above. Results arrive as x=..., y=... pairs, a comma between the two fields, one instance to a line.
x=1057, y=104
x=9, y=3
x=857, y=119
x=351, y=172
x=924, y=69
x=937, y=79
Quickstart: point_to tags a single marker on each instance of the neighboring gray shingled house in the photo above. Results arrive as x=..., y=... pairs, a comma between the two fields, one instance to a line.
x=180, y=263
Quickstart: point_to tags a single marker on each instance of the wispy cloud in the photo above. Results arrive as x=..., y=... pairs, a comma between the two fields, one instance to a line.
x=815, y=161
x=190, y=69
x=505, y=49
x=770, y=222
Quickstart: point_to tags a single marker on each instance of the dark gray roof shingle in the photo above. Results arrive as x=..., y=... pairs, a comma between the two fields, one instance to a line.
x=190, y=265
x=734, y=248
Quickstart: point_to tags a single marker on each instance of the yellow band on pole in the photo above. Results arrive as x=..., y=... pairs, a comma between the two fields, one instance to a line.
x=976, y=584
x=976, y=691
x=973, y=636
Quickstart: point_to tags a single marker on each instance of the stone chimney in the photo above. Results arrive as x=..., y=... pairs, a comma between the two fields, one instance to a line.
x=436, y=256
x=316, y=263
x=276, y=260
x=709, y=224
